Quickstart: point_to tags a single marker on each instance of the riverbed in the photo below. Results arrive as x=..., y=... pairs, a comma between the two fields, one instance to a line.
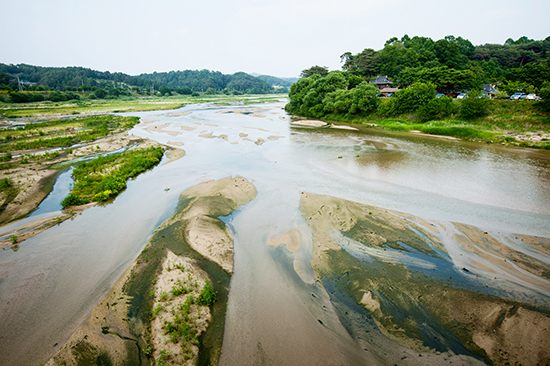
x=53, y=281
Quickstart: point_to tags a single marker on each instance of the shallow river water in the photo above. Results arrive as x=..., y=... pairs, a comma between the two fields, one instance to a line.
x=51, y=283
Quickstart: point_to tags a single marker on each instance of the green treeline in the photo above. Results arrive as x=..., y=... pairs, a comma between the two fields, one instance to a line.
x=422, y=68
x=455, y=63
x=105, y=177
x=27, y=83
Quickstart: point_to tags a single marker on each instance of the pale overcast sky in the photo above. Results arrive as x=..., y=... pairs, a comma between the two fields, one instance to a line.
x=278, y=38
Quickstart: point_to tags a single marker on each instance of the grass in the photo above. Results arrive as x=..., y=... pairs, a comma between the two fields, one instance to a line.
x=105, y=177
x=63, y=133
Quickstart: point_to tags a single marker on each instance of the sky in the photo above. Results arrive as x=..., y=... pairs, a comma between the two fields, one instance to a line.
x=279, y=38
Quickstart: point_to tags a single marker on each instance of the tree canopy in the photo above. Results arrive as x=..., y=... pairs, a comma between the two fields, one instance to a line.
x=39, y=78
x=453, y=63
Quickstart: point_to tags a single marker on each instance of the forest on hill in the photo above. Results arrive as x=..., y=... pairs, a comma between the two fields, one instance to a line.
x=521, y=64
x=27, y=83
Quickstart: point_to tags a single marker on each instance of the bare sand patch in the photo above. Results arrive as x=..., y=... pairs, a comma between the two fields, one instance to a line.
x=309, y=123
x=161, y=129
x=146, y=122
x=342, y=127
x=273, y=137
x=175, y=143
x=188, y=128
x=430, y=135
x=204, y=231
x=292, y=240
x=177, y=114
x=174, y=154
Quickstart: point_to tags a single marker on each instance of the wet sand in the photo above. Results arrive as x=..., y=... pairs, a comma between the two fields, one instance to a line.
x=425, y=312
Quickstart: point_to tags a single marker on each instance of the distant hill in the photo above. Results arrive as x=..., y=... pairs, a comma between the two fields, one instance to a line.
x=276, y=81
x=32, y=77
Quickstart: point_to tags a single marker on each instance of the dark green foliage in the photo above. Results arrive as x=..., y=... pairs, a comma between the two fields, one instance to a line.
x=408, y=100
x=474, y=106
x=544, y=93
x=100, y=93
x=314, y=70
x=445, y=79
x=207, y=296
x=437, y=109
x=5, y=183
x=105, y=177
x=73, y=200
x=112, y=85
x=318, y=96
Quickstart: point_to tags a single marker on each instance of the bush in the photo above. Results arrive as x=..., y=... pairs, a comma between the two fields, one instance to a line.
x=73, y=200
x=474, y=106
x=544, y=93
x=207, y=296
x=437, y=109
x=414, y=97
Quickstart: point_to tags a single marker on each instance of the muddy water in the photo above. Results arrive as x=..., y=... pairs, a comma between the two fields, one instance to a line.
x=276, y=313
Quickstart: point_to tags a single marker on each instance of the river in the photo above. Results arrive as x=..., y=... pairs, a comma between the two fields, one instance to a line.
x=51, y=283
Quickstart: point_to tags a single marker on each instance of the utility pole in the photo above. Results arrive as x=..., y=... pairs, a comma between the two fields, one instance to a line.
x=19, y=84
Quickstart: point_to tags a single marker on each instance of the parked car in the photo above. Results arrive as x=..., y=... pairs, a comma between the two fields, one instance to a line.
x=462, y=96
x=533, y=97
x=439, y=95
x=518, y=96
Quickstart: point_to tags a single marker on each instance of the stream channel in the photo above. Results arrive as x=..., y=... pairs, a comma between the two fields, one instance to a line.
x=53, y=281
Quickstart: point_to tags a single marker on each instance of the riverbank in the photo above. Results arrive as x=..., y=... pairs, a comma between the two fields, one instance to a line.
x=510, y=122
x=169, y=306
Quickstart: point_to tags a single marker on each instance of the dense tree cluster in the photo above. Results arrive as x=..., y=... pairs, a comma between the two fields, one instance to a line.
x=454, y=63
x=337, y=93
x=421, y=68
x=43, y=81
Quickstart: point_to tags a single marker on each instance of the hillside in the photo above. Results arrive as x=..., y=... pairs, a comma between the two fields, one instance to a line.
x=37, y=78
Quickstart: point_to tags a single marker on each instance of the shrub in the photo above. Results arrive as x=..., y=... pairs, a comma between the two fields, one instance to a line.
x=73, y=200
x=207, y=295
x=474, y=106
x=414, y=97
x=437, y=109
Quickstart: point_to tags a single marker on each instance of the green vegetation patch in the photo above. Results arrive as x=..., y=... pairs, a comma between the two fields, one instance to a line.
x=105, y=177
x=8, y=192
x=63, y=133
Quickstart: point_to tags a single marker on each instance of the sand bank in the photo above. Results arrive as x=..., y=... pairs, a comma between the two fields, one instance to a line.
x=134, y=324
x=407, y=303
x=309, y=123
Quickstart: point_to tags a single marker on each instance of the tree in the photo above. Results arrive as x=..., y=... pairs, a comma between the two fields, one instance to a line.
x=100, y=93
x=314, y=70
x=364, y=64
